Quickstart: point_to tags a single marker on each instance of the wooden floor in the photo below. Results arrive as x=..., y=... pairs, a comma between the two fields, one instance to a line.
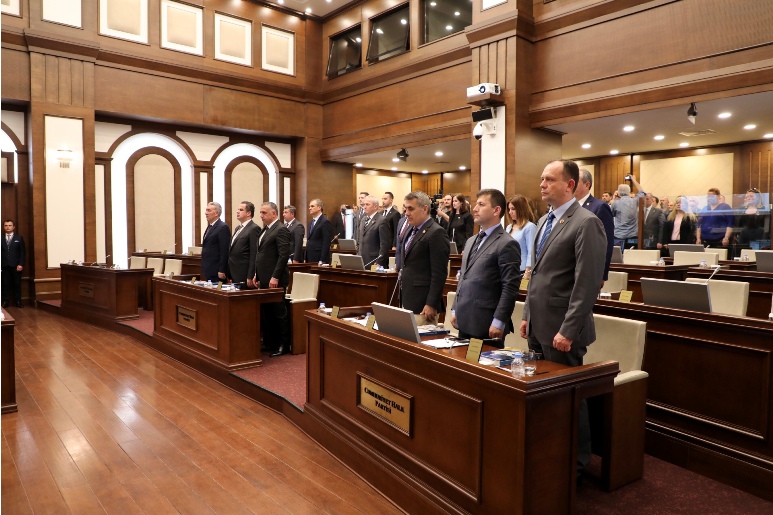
x=107, y=425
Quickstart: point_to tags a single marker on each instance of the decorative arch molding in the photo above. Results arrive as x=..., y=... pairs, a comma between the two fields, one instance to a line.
x=225, y=155
x=138, y=132
x=228, y=184
x=18, y=146
x=130, y=194
x=121, y=154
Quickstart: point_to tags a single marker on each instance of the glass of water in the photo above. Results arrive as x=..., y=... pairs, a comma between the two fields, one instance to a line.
x=529, y=362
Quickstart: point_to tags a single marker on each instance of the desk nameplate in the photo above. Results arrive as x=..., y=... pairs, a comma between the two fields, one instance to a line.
x=86, y=289
x=186, y=317
x=385, y=403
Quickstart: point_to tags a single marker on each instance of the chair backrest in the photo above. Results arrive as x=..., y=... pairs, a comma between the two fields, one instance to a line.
x=305, y=286
x=450, y=302
x=137, y=262
x=335, y=258
x=156, y=264
x=749, y=253
x=618, y=281
x=695, y=258
x=173, y=266
x=618, y=339
x=514, y=339
x=640, y=257
x=727, y=297
x=392, y=261
x=194, y=251
x=722, y=253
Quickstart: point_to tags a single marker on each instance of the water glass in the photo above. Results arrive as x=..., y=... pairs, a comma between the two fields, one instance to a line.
x=530, y=362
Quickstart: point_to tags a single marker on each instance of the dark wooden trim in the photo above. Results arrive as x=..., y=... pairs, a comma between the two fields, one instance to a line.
x=108, y=184
x=12, y=135
x=229, y=188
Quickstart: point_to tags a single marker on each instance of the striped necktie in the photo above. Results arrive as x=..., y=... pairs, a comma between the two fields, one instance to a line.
x=546, y=232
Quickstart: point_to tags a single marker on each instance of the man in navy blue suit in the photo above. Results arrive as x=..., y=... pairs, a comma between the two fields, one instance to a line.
x=13, y=264
x=215, y=245
x=320, y=234
x=600, y=209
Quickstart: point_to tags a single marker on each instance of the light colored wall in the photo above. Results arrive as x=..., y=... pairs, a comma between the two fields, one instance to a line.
x=15, y=121
x=376, y=185
x=246, y=184
x=203, y=146
x=282, y=151
x=154, y=203
x=203, y=200
x=689, y=175
x=105, y=134
x=99, y=198
x=67, y=12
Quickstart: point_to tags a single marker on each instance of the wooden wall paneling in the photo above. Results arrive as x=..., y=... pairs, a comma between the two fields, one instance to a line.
x=503, y=50
x=334, y=184
x=89, y=192
x=493, y=60
x=457, y=182
x=65, y=81
x=107, y=164
x=52, y=79
x=77, y=83
x=15, y=73
x=37, y=77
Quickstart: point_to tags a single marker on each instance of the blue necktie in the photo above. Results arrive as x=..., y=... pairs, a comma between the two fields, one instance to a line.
x=311, y=227
x=546, y=232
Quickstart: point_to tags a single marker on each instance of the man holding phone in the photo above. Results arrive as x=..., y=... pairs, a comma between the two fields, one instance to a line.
x=626, y=212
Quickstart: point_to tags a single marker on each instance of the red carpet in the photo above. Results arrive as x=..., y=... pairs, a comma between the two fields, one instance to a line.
x=283, y=375
x=143, y=324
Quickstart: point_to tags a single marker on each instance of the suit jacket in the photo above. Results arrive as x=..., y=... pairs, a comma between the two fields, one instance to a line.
x=391, y=220
x=488, y=284
x=338, y=225
x=356, y=217
x=214, y=250
x=241, y=256
x=460, y=228
x=318, y=241
x=398, y=243
x=274, y=250
x=566, y=279
x=297, y=232
x=686, y=231
x=425, y=268
x=602, y=210
x=653, y=227
x=374, y=240
x=13, y=254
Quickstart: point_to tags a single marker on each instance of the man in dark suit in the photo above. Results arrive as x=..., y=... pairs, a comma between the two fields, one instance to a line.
x=274, y=247
x=319, y=236
x=424, y=265
x=338, y=223
x=491, y=268
x=390, y=215
x=374, y=241
x=244, y=246
x=654, y=218
x=566, y=277
x=358, y=213
x=215, y=245
x=12, y=264
x=296, y=232
x=599, y=208
x=399, y=243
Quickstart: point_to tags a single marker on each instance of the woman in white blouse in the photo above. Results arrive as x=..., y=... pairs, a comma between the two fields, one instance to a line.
x=521, y=228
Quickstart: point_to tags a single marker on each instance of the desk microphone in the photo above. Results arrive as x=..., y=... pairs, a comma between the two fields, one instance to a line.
x=716, y=269
x=95, y=263
x=377, y=258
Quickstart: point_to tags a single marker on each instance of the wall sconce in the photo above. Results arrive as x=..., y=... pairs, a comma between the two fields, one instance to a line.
x=64, y=156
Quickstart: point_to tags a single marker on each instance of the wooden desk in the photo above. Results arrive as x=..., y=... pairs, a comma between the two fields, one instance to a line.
x=104, y=292
x=339, y=287
x=220, y=327
x=191, y=262
x=710, y=392
x=8, y=360
x=636, y=272
x=760, y=287
x=477, y=440
x=731, y=264
x=455, y=264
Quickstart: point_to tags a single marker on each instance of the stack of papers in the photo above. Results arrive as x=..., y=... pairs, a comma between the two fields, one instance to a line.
x=446, y=343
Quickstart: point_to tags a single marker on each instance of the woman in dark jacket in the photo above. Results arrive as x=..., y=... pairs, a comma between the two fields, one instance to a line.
x=684, y=221
x=460, y=222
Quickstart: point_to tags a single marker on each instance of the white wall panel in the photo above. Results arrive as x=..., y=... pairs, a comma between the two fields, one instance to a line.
x=154, y=203
x=246, y=184
x=105, y=134
x=99, y=198
x=283, y=153
x=203, y=200
x=15, y=121
x=67, y=12
x=203, y=146
x=689, y=175
x=376, y=185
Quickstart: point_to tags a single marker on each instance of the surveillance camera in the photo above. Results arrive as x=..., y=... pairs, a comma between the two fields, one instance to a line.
x=478, y=131
x=482, y=128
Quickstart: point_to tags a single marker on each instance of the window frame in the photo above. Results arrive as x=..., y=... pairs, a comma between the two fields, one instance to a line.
x=331, y=43
x=373, y=27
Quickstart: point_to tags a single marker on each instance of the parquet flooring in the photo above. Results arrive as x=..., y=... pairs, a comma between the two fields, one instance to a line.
x=106, y=424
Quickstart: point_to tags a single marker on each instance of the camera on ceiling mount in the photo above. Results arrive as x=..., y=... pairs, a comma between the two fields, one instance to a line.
x=484, y=128
x=482, y=89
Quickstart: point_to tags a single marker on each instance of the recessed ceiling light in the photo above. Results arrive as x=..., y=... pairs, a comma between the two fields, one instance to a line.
x=281, y=2
x=462, y=167
x=586, y=145
x=433, y=4
x=358, y=165
x=358, y=40
x=379, y=31
x=449, y=27
x=438, y=153
x=394, y=168
x=768, y=135
x=425, y=171
x=749, y=126
x=457, y=13
x=724, y=115
x=308, y=10
x=614, y=152
x=659, y=137
x=684, y=144
x=395, y=159
x=628, y=128
x=404, y=21
x=328, y=1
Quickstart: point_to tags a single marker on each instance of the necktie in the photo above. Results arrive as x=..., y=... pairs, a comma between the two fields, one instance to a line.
x=405, y=228
x=476, y=244
x=414, y=230
x=311, y=227
x=367, y=221
x=546, y=232
x=206, y=231
x=236, y=233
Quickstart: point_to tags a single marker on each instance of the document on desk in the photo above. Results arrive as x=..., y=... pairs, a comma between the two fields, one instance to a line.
x=445, y=343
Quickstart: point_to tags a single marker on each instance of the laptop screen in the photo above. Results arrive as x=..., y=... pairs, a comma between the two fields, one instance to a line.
x=396, y=322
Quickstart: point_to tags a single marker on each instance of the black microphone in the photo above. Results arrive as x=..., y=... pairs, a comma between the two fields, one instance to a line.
x=377, y=258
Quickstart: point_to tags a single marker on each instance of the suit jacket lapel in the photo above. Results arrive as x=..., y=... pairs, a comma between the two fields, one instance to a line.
x=496, y=233
x=267, y=234
x=419, y=235
x=558, y=226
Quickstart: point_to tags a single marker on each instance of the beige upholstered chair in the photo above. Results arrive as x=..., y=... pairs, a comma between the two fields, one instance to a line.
x=173, y=266
x=618, y=281
x=748, y=253
x=727, y=297
x=136, y=262
x=694, y=258
x=194, y=251
x=619, y=434
x=640, y=257
x=305, y=287
x=721, y=252
x=447, y=324
x=157, y=264
x=302, y=297
x=514, y=339
x=335, y=258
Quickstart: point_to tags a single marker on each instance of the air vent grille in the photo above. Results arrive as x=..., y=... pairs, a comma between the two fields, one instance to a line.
x=704, y=132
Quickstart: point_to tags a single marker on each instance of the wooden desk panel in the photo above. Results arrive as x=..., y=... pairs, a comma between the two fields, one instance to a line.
x=8, y=361
x=636, y=272
x=227, y=323
x=339, y=287
x=104, y=292
x=760, y=287
x=480, y=441
x=455, y=264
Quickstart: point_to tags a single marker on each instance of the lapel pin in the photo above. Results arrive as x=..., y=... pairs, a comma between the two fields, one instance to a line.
x=561, y=221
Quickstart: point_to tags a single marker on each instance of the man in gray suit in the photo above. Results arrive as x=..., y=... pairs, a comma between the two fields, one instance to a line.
x=244, y=246
x=653, y=222
x=566, y=277
x=491, y=269
x=374, y=239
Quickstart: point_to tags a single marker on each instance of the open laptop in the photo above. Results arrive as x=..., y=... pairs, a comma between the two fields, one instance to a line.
x=676, y=294
x=397, y=322
x=617, y=255
x=764, y=260
x=685, y=247
x=454, y=250
x=347, y=244
x=351, y=262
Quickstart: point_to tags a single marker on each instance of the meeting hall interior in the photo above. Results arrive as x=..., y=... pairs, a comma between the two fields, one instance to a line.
x=127, y=390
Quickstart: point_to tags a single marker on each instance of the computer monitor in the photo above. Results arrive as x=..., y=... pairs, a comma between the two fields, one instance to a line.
x=454, y=249
x=347, y=244
x=676, y=294
x=396, y=322
x=685, y=247
x=617, y=255
x=764, y=260
x=351, y=262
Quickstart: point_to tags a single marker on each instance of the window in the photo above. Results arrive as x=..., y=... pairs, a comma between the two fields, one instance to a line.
x=445, y=17
x=345, y=52
x=389, y=35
